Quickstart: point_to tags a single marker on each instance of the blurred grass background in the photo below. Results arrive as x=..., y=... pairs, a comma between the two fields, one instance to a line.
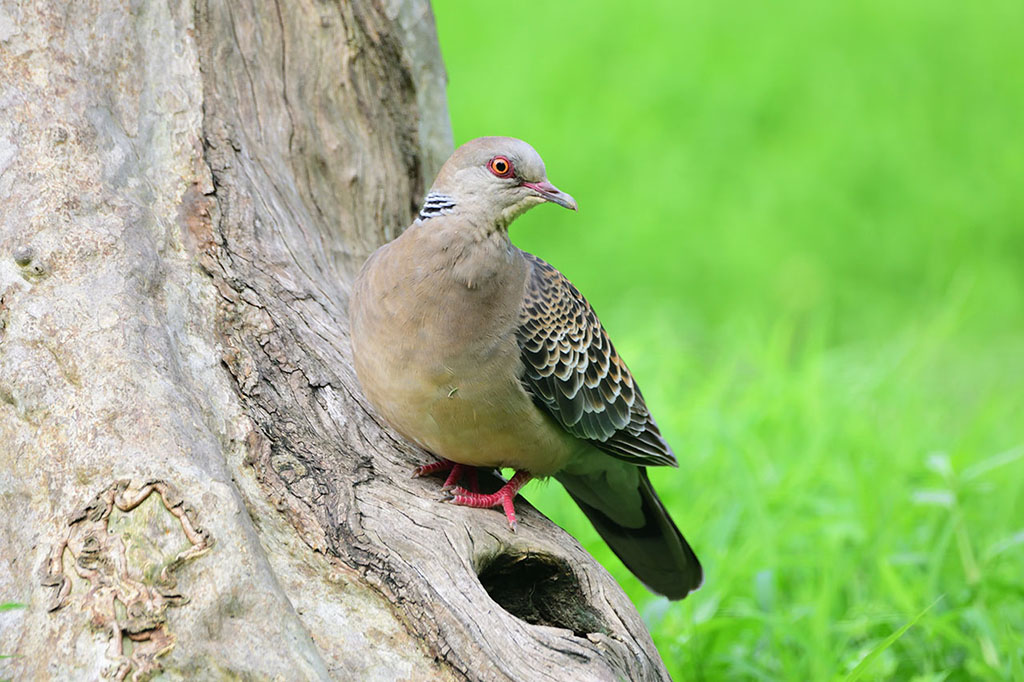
x=803, y=225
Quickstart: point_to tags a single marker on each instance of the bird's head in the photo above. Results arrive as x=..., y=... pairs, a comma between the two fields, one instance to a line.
x=496, y=179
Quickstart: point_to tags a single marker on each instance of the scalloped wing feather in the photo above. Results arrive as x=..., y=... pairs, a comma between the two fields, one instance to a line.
x=574, y=373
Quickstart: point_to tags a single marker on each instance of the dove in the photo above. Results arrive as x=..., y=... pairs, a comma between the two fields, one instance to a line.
x=487, y=356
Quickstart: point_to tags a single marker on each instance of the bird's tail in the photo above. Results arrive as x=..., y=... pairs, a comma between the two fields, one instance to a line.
x=627, y=513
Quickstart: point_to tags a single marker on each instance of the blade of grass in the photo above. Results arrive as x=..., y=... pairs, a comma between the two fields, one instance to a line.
x=986, y=465
x=866, y=662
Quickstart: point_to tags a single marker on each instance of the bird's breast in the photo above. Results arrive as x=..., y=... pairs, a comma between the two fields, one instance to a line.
x=439, y=361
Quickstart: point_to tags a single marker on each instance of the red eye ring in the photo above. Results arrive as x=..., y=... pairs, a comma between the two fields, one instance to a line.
x=500, y=166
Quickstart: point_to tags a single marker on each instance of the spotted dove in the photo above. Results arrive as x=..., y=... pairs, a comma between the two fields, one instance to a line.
x=486, y=356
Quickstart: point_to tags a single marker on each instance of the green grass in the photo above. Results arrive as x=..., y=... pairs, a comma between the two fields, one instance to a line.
x=9, y=606
x=803, y=225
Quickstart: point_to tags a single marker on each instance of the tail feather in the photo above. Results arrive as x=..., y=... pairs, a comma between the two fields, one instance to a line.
x=647, y=541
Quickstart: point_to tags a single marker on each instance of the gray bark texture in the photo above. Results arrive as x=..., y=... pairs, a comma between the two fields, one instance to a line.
x=191, y=483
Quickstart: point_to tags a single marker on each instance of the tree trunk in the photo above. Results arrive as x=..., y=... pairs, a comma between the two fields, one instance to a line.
x=190, y=478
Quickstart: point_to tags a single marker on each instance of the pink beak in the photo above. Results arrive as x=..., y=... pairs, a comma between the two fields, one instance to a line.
x=551, y=193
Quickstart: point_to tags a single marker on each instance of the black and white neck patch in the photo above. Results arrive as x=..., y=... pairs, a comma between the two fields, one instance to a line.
x=436, y=204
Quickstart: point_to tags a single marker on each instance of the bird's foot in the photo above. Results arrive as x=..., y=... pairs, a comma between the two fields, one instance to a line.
x=455, y=473
x=503, y=497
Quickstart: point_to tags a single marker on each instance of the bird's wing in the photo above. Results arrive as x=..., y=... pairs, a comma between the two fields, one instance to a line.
x=574, y=373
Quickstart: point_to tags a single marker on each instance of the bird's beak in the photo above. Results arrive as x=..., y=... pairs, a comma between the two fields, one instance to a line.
x=551, y=193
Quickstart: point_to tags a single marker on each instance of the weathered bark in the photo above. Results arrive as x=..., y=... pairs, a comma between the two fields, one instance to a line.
x=190, y=479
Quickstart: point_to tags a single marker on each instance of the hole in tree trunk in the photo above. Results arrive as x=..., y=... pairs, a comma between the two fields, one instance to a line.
x=540, y=589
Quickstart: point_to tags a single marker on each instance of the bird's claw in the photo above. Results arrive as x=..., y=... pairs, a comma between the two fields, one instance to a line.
x=455, y=473
x=453, y=493
x=433, y=467
x=504, y=498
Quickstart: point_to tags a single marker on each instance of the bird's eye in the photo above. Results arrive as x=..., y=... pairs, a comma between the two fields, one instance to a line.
x=500, y=166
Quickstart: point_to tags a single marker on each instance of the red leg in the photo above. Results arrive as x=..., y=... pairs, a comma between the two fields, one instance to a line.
x=504, y=497
x=474, y=485
x=455, y=473
x=433, y=467
x=454, y=476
